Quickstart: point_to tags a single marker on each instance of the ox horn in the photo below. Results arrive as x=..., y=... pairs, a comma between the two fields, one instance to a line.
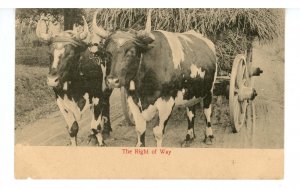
x=85, y=32
x=41, y=29
x=82, y=35
x=146, y=35
x=98, y=29
x=148, y=22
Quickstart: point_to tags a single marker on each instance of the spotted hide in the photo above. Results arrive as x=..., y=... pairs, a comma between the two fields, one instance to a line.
x=77, y=77
x=159, y=71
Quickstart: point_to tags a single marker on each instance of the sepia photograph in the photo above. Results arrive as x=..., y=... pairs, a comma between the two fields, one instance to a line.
x=140, y=82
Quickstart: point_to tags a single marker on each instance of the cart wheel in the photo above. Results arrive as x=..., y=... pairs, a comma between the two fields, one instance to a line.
x=239, y=79
x=127, y=113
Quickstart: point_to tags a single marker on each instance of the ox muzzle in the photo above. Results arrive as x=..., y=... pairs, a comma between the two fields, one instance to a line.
x=113, y=82
x=52, y=81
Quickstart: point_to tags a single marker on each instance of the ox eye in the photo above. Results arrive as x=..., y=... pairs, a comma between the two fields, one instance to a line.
x=130, y=52
x=50, y=55
x=49, y=52
x=107, y=55
x=71, y=53
x=93, y=44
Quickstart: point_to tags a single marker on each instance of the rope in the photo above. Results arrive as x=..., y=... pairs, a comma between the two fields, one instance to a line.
x=140, y=64
x=139, y=68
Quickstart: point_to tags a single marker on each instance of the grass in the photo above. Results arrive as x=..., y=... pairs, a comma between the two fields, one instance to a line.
x=33, y=98
x=32, y=56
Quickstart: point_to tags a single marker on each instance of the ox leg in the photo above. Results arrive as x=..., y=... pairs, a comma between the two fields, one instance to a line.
x=98, y=121
x=106, y=113
x=207, y=112
x=190, y=111
x=140, y=122
x=73, y=130
x=71, y=122
x=164, y=108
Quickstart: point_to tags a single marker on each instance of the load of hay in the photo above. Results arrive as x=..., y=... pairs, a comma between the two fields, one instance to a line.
x=232, y=30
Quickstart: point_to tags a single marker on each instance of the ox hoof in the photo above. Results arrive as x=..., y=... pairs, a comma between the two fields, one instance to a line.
x=105, y=135
x=72, y=143
x=209, y=140
x=186, y=143
x=103, y=144
x=106, y=132
x=140, y=145
x=93, y=141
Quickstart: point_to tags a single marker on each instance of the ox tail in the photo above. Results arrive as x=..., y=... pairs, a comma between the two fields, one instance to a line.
x=215, y=76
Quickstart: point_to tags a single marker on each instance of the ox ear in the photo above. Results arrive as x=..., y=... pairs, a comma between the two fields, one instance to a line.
x=145, y=37
x=41, y=31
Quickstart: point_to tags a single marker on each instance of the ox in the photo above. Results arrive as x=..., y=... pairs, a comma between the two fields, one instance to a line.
x=160, y=69
x=77, y=77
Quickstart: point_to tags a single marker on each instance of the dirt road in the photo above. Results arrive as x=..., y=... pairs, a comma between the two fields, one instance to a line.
x=266, y=133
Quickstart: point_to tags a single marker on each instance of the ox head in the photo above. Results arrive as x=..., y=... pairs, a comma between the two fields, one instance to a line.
x=64, y=51
x=125, y=49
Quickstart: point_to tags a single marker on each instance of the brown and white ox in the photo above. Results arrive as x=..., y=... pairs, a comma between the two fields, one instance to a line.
x=160, y=69
x=77, y=77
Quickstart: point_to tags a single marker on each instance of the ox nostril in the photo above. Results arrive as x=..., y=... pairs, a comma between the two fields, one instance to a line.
x=109, y=80
x=52, y=81
x=110, y=77
x=113, y=81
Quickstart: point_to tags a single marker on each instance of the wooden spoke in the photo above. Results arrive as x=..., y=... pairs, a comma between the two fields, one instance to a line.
x=238, y=80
